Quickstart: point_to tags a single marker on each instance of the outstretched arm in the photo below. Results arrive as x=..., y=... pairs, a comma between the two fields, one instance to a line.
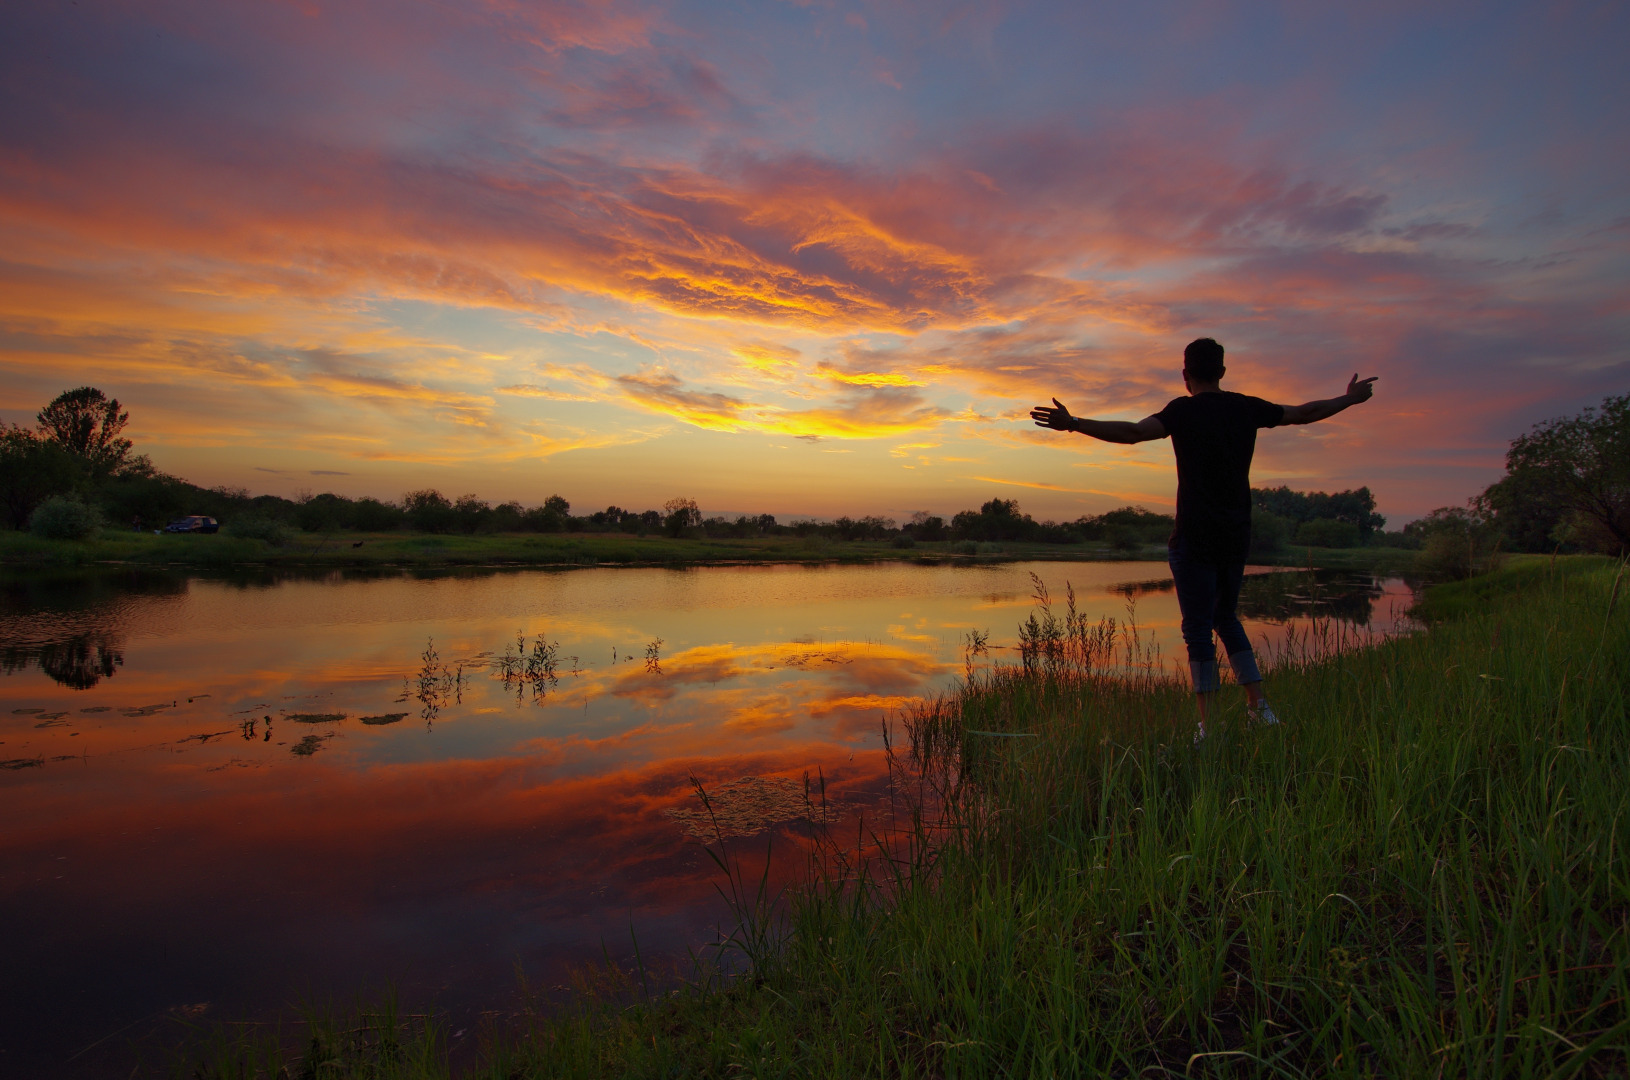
x=1058, y=418
x=1313, y=411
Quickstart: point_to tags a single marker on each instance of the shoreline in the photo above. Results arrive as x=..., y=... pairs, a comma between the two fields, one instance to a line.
x=23, y=553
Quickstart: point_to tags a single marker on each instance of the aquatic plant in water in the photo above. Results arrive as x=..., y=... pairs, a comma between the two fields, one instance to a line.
x=438, y=684
x=536, y=669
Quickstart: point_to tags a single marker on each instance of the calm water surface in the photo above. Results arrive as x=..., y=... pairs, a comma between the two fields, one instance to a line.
x=222, y=796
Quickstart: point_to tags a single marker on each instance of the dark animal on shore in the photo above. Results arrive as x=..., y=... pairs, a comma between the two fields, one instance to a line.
x=357, y=544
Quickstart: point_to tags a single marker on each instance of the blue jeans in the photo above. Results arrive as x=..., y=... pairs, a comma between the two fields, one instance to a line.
x=1207, y=594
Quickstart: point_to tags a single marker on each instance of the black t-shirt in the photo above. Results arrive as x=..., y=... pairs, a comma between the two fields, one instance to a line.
x=1214, y=436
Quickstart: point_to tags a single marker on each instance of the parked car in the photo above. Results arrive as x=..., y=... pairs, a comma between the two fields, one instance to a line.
x=194, y=523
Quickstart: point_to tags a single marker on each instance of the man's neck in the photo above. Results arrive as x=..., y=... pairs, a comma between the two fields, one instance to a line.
x=1198, y=388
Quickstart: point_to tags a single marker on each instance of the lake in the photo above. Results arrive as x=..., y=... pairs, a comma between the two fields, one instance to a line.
x=224, y=795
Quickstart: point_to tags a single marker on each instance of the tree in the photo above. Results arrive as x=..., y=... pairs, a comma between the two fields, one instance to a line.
x=679, y=515
x=32, y=469
x=1456, y=542
x=1355, y=507
x=998, y=519
x=1576, y=468
x=87, y=424
x=429, y=511
x=926, y=526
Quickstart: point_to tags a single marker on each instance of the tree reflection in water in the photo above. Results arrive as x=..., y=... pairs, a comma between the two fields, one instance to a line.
x=79, y=662
x=72, y=625
x=1343, y=595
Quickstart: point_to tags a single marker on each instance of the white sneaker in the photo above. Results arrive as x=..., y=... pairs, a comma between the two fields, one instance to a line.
x=1264, y=715
x=1200, y=734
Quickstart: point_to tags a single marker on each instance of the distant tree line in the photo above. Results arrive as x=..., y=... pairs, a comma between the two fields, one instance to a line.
x=76, y=472
x=1567, y=488
x=1280, y=516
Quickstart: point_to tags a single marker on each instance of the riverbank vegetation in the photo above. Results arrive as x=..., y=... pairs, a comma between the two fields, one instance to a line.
x=1421, y=872
x=73, y=490
x=27, y=552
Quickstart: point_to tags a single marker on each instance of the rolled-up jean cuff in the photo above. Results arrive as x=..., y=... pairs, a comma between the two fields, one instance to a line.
x=1244, y=663
x=1204, y=674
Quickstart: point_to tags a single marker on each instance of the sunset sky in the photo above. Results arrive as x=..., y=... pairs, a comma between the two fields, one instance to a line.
x=809, y=258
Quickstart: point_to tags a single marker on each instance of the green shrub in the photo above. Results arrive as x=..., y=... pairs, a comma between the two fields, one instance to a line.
x=1123, y=538
x=256, y=527
x=62, y=517
x=1327, y=533
x=1451, y=556
x=1268, y=534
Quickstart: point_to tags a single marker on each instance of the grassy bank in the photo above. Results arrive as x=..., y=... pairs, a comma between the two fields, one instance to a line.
x=1421, y=873
x=410, y=549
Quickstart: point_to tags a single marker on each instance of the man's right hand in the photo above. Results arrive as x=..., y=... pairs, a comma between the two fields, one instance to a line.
x=1057, y=417
x=1360, y=389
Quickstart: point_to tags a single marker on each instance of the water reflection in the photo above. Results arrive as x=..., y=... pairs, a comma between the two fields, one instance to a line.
x=1280, y=596
x=78, y=662
x=72, y=626
x=250, y=765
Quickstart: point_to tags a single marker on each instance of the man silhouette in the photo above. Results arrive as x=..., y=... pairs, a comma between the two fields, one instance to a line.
x=1213, y=433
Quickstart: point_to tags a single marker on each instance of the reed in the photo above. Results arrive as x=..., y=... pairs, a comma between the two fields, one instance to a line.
x=1420, y=873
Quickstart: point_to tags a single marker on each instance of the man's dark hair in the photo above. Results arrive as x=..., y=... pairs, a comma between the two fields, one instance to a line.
x=1203, y=359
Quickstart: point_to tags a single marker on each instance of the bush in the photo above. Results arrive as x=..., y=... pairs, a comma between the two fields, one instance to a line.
x=64, y=518
x=1268, y=534
x=904, y=540
x=256, y=527
x=1123, y=538
x=1454, y=556
x=1327, y=533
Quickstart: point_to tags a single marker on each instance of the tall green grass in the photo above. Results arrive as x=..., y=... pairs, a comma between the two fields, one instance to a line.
x=1420, y=873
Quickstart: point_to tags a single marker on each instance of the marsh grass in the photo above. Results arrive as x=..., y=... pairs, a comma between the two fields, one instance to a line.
x=1421, y=873
x=379, y=1042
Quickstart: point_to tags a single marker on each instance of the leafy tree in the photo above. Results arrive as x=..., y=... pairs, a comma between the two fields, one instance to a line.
x=1136, y=517
x=998, y=519
x=505, y=517
x=1355, y=507
x=679, y=515
x=371, y=515
x=553, y=515
x=472, y=514
x=1456, y=542
x=926, y=526
x=429, y=510
x=1327, y=533
x=86, y=423
x=154, y=498
x=1572, y=473
x=325, y=513
x=32, y=469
